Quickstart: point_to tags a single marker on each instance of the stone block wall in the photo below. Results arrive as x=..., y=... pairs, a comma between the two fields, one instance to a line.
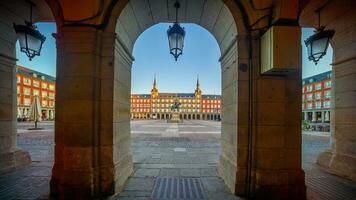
x=339, y=16
x=10, y=156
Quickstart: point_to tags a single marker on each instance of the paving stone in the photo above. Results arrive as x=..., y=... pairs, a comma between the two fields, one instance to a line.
x=208, y=172
x=146, y=173
x=200, y=160
x=169, y=172
x=127, y=193
x=190, y=173
x=140, y=184
x=213, y=184
x=220, y=195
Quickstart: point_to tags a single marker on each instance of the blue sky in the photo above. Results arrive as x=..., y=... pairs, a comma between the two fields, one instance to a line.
x=200, y=56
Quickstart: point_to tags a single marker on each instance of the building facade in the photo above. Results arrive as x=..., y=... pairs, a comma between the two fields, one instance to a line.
x=316, y=101
x=194, y=106
x=32, y=83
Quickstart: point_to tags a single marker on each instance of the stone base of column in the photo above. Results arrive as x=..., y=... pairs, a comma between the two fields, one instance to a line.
x=283, y=184
x=341, y=165
x=11, y=161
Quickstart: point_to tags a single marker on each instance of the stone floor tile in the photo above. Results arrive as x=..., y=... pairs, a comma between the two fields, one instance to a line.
x=170, y=172
x=140, y=184
x=208, y=172
x=146, y=173
x=189, y=172
x=213, y=184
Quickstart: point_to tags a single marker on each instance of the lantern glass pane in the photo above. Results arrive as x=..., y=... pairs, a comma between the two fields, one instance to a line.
x=34, y=43
x=22, y=39
x=172, y=41
x=319, y=46
x=180, y=41
x=309, y=49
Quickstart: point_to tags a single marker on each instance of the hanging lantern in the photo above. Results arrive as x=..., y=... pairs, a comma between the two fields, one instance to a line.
x=176, y=36
x=30, y=39
x=317, y=44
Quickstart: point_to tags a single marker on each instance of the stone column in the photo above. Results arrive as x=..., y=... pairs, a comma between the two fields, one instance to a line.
x=322, y=116
x=10, y=156
x=305, y=116
x=313, y=116
x=341, y=159
x=268, y=141
x=327, y=116
x=88, y=132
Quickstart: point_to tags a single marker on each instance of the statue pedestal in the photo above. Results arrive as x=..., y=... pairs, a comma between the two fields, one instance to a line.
x=175, y=117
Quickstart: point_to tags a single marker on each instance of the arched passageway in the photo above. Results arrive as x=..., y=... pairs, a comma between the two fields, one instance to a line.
x=94, y=55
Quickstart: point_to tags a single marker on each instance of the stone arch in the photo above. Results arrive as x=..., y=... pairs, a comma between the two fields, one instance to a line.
x=340, y=161
x=245, y=174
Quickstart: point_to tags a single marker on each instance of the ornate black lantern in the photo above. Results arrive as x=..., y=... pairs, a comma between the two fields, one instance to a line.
x=318, y=43
x=176, y=36
x=31, y=40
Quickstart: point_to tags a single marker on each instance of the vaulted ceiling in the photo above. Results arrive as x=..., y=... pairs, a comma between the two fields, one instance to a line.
x=213, y=15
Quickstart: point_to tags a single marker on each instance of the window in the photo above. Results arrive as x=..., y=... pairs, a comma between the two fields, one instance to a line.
x=318, y=95
x=318, y=86
x=310, y=88
x=18, y=89
x=327, y=84
x=44, y=103
x=44, y=85
x=310, y=96
x=27, y=101
x=26, y=81
x=326, y=104
x=51, y=95
x=36, y=92
x=44, y=94
x=51, y=87
x=18, y=79
x=36, y=84
x=327, y=94
x=318, y=105
x=309, y=106
x=27, y=91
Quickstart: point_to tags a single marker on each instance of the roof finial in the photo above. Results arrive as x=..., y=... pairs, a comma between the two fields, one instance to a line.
x=154, y=81
x=198, y=84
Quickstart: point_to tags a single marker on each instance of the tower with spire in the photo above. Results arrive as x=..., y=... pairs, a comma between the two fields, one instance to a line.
x=197, y=90
x=154, y=91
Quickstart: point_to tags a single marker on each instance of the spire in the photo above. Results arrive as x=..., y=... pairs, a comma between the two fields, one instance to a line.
x=154, y=91
x=154, y=81
x=197, y=90
x=198, y=84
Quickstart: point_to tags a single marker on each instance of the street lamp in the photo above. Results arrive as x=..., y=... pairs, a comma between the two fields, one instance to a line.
x=318, y=43
x=30, y=39
x=176, y=36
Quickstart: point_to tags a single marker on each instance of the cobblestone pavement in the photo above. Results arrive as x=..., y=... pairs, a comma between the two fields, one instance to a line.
x=189, y=151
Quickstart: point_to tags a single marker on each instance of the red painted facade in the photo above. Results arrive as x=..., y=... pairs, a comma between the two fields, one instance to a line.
x=31, y=83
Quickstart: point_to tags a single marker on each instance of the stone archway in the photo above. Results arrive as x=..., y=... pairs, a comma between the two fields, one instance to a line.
x=341, y=158
x=92, y=153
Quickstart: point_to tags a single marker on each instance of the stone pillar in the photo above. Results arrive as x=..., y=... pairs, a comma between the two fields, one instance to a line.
x=268, y=141
x=91, y=119
x=305, y=116
x=322, y=116
x=327, y=116
x=313, y=116
x=10, y=156
x=341, y=159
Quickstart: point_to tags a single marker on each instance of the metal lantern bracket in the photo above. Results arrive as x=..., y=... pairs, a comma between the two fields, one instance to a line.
x=320, y=35
x=31, y=40
x=176, y=36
